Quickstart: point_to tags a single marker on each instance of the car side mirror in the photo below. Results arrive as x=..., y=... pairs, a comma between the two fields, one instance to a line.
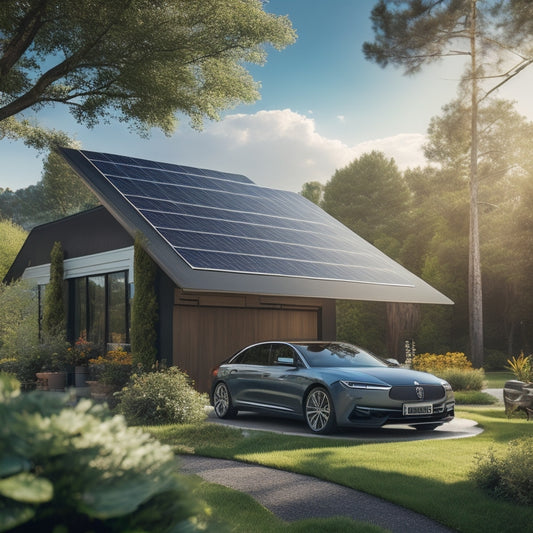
x=392, y=362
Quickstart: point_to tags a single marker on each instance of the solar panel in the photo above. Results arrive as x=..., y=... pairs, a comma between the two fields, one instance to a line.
x=213, y=230
x=224, y=222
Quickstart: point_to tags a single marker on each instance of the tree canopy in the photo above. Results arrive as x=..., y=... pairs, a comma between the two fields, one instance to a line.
x=361, y=192
x=140, y=61
x=496, y=37
x=12, y=237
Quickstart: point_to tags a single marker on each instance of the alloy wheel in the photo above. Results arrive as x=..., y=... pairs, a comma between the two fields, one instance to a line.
x=222, y=402
x=319, y=411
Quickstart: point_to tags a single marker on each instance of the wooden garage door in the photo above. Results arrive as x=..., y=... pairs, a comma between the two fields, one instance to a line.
x=204, y=336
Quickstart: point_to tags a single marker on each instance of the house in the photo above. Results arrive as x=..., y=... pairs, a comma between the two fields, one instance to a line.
x=237, y=263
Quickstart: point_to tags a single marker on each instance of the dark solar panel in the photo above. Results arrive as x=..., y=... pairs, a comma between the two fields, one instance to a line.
x=224, y=222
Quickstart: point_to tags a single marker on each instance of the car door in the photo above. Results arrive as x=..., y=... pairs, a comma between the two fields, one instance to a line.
x=246, y=376
x=283, y=383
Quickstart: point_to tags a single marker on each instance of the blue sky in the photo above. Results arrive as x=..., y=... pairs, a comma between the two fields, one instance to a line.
x=321, y=106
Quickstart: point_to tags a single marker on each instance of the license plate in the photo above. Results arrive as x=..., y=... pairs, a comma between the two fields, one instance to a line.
x=413, y=409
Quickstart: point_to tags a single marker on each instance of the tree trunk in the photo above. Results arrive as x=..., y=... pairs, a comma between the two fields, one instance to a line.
x=475, y=298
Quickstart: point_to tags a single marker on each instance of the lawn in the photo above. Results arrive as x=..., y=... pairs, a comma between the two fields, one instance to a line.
x=496, y=380
x=430, y=477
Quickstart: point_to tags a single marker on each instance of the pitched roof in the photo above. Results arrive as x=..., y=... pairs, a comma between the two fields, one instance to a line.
x=216, y=231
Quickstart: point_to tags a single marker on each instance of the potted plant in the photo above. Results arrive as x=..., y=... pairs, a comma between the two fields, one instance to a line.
x=109, y=373
x=79, y=355
x=53, y=375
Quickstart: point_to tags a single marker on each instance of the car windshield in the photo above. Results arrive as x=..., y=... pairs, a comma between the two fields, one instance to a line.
x=337, y=355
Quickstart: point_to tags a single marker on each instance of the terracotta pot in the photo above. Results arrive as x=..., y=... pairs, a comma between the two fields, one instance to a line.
x=53, y=381
x=101, y=391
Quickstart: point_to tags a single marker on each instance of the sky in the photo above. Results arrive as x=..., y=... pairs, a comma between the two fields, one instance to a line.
x=322, y=105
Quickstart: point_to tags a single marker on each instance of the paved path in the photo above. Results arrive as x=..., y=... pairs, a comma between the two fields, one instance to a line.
x=296, y=497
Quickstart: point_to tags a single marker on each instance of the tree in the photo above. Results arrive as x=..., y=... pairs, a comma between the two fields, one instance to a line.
x=12, y=238
x=497, y=40
x=313, y=191
x=370, y=197
x=504, y=165
x=53, y=324
x=144, y=309
x=59, y=193
x=64, y=192
x=141, y=61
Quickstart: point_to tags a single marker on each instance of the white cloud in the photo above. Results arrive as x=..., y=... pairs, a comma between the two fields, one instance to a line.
x=278, y=148
x=405, y=148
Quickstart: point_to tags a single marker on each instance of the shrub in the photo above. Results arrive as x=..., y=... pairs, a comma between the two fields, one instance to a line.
x=144, y=307
x=495, y=360
x=53, y=321
x=430, y=362
x=162, y=397
x=19, y=323
x=463, y=380
x=522, y=367
x=77, y=468
x=511, y=476
x=114, y=368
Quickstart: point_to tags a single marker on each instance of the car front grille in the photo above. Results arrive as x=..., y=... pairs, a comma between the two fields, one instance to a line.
x=431, y=392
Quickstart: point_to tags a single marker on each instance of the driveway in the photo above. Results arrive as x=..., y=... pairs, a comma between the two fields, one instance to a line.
x=456, y=429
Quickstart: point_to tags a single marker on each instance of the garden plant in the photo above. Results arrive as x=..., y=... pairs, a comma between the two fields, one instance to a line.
x=162, y=397
x=80, y=469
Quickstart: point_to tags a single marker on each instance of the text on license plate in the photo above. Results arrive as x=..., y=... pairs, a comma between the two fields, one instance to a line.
x=414, y=409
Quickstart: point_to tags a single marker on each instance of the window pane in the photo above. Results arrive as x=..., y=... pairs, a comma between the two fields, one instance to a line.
x=256, y=355
x=79, y=312
x=117, y=310
x=96, y=309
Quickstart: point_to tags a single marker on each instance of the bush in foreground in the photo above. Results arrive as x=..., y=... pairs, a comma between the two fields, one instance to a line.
x=79, y=469
x=509, y=477
x=162, y=397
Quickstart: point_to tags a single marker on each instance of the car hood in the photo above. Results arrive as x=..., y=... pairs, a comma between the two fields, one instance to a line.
x=381, y=376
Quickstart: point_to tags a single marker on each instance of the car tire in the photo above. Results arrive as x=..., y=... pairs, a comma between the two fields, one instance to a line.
x=222, y=401
x=319, y=411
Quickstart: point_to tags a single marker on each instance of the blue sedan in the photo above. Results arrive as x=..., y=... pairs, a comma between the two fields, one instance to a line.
x=328, y=384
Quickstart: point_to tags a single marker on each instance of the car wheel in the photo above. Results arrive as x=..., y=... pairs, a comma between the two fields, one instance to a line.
x=222, y=401
x=426, y=427
x=319, y=411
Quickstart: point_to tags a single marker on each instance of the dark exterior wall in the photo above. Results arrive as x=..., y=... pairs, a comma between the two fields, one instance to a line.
x=165, y=298
x=86, y=233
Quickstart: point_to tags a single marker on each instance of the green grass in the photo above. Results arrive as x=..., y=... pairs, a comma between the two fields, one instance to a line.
x=430, y=477
x=474, y=397
x=496, y=380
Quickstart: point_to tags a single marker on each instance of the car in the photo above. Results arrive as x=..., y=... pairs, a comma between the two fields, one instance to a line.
x=329, y=385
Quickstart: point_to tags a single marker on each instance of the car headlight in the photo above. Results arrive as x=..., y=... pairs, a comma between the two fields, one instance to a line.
x=361, y=385
x=446, y=386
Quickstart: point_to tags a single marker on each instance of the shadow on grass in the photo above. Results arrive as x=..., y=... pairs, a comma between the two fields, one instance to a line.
x=458, y=505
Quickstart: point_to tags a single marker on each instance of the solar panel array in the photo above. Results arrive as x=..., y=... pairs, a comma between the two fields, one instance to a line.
x=224, y=222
